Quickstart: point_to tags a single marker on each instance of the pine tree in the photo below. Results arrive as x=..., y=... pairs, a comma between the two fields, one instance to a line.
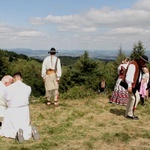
x=138, y=50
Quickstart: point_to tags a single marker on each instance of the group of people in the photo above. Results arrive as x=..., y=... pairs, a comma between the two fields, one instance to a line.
x=14, y=109
x=14, y=94
x=130, y=88
x=132, y=85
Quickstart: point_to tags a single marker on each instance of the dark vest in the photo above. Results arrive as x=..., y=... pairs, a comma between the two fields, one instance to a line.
x=135, y=83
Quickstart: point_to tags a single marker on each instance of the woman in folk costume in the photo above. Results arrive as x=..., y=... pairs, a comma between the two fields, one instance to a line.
x=51, y=73
x=120, y=94
x=143, y=86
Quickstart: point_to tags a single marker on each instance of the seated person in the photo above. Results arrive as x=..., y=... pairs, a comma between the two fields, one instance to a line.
x=102, y=86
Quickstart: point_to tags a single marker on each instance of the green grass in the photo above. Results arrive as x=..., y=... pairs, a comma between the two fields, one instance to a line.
x=85, y=124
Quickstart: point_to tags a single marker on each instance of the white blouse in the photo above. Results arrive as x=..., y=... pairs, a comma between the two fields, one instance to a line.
x=130, y=75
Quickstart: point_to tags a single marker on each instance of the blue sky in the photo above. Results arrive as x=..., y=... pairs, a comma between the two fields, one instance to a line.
x=74, y=24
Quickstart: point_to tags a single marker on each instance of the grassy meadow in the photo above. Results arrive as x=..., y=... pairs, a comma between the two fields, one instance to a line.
x=85, y=124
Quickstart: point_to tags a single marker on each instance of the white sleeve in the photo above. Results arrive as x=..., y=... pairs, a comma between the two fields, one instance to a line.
x=59, y=71
x=7, y=96
x=43, y=74
x=130, y=75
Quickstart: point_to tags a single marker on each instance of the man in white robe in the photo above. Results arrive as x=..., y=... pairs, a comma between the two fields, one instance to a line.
x=5, y=81
x=16, y=122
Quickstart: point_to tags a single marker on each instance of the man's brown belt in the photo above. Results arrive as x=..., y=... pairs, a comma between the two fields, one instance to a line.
x=50, y=71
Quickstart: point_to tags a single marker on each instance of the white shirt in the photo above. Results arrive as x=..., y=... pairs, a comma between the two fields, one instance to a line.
x=49, y=63
x=17, y=94
x=130, y=75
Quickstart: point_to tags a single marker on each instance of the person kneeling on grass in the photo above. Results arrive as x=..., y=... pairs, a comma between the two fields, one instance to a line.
x=16, y=122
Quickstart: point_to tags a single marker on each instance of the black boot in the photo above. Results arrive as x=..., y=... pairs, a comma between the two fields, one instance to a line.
x=142, y=100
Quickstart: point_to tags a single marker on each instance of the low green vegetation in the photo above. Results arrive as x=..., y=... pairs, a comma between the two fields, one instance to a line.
x=85, y=124
x=80, y=76
x=85, y=120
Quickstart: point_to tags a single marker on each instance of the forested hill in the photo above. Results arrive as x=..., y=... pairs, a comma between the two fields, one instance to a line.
x=76, y=72
x=30, y=67
x=80, y=75
x=65, y=60
x=13, y=56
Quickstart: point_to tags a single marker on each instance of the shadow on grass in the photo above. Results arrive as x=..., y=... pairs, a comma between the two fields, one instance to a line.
x=119, y=112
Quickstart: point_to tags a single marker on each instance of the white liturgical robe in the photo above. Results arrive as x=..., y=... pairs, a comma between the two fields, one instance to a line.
x=2, y=101
x=17, y=113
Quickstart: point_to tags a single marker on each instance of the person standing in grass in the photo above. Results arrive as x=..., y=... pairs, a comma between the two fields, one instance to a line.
x=16, y=122
x=51, y=73
x=133, y=79
x=143, y=86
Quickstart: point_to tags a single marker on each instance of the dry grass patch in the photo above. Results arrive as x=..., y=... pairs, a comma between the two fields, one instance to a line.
x=85, y=124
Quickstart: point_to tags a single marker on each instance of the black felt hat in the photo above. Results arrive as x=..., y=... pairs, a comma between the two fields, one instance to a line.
x=144, y=58
x=52, y=51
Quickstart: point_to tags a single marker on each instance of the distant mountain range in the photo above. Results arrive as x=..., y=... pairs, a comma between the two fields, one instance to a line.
x=95, y=54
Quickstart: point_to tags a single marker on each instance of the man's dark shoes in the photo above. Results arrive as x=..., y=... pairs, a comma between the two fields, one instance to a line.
x=19, y=136
x=133, y=117
x=35, y=133
x=136, y=117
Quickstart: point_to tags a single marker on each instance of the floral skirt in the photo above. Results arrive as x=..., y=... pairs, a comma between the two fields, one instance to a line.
x=119, y=95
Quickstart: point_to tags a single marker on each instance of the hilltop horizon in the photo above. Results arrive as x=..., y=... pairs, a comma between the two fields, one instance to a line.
x=95, y=54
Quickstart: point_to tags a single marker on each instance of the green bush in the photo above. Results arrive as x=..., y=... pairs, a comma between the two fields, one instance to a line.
x=77, y=92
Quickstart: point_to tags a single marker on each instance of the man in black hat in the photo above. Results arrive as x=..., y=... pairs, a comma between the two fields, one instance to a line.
x=133, y=79
x=51, y=73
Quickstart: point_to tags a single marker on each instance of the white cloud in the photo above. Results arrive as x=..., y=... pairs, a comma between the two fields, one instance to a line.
x=142, y=4
x=37, y=21
x=127, y=30
x=30, y=33
x=99, y=18
x=13, y=37
x=6, y=30
x=103, y=28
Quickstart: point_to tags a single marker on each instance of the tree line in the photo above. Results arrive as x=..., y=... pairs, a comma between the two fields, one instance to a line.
x=80, y=75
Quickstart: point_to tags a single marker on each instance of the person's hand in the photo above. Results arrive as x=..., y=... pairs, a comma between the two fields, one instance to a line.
x=129, y=89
